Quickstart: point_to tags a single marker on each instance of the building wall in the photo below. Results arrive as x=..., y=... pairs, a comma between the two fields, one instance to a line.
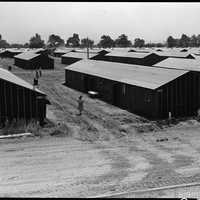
x=46, y=62
x=132, y=98
x=141, y=101
x=68, y=60
x=148, y=61
x=20, y=103
x=42, y=61
x=8, y=54
x=58, y=54
x=74, y=80
x=27, y=64
x=152, y=60
x=181, y=97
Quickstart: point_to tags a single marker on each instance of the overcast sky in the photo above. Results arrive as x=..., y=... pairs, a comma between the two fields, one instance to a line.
x=152, y=21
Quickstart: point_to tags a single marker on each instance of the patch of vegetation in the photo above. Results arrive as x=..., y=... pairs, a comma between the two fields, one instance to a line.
x=33, y=127
x=22, y=126
x=13, y=127
x=60, y=130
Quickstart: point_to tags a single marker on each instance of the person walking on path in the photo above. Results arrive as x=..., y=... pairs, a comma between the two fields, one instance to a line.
x=80, y=105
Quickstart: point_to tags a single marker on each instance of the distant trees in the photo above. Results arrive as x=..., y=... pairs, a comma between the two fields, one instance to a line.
x=106, y=42
x=26, y=45
x=171, y=42
x=87, y=42
x=153, y=44
x=55, y=41
x=73, y=41
x=139, y=42
x=184, y=41
x=16, y=45
x=122, y=41
x=193, y=41
x=36, y=41
x=3, y=43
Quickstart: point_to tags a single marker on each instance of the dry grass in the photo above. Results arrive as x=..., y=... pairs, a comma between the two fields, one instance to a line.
x=60, y=130
x=21, y=126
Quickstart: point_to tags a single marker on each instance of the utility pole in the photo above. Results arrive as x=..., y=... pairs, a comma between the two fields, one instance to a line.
x=87, y=48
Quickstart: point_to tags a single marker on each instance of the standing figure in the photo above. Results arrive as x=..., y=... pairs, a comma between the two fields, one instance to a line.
x=35, y=82
x=40, y=71
x=9, y=68
x=80, y=104
x=37, y=74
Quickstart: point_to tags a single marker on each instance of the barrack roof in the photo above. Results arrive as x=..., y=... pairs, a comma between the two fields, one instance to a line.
x=27, y=55
x=10, y=77
x=81, y=55
x=174, y=54
x=138, y=75
x=128, y=54
x=180, y=63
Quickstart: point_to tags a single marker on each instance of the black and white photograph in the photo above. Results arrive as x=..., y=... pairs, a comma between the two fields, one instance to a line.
x=100, y=99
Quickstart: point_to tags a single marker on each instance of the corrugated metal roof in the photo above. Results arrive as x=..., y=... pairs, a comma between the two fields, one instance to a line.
x=82, y=55
x=27, y=55
x=142, y=76
x=180, y=63
x=10, y=77
x=128, y=54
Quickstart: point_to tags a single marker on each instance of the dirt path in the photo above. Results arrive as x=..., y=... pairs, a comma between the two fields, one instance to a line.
x=106, y=152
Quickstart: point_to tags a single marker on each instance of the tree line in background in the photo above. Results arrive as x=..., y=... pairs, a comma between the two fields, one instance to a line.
x=105, y=42
x=184, y=41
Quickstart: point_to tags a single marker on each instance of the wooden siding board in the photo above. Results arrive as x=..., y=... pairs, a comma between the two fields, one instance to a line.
x=17, y=102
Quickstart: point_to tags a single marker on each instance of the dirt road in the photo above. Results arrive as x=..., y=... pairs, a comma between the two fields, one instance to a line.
x=109, y=150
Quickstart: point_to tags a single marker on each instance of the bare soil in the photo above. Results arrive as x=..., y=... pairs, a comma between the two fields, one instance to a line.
x=108, y=149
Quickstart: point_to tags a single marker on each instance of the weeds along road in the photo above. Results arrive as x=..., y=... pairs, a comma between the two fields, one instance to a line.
x=104, y=154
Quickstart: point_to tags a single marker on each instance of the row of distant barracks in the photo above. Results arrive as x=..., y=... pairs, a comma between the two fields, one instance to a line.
x=20, y=99
x=153, y=84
